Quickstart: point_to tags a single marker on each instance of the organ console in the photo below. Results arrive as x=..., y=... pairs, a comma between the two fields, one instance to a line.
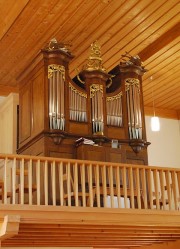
x=55, y=110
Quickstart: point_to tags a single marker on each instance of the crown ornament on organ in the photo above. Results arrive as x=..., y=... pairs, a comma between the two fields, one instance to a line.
x=94, y=62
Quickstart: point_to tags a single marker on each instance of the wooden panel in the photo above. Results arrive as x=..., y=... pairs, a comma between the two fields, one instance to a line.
x=90, y=152
x=9, y=12
x=118, y=133
x=25, y=113
x=38, y=103
x=116, y=155
x=140, y=158
x=62, y=154
x=37, y=148
x=78, y=128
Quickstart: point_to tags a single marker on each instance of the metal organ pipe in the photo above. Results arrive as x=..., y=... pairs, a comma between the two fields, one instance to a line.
x=96, y=95
x=77, y=104
x=114, y=110
x=133, y=108
x=56, y=76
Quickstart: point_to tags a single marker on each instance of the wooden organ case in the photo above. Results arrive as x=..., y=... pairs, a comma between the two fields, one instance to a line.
x=55, y=111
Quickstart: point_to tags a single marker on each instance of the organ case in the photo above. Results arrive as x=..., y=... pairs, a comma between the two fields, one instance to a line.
x=56, y=110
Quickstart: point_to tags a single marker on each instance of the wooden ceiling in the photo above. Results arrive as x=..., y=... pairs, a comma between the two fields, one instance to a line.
x=148, y=28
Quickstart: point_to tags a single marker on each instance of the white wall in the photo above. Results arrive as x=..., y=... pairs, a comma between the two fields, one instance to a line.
x=8, y=124
x=165, y=144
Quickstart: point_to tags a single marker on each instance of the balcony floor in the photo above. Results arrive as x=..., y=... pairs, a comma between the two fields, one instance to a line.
x=53, y=226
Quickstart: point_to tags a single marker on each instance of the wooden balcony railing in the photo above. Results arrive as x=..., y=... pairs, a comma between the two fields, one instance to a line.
x=65, y=182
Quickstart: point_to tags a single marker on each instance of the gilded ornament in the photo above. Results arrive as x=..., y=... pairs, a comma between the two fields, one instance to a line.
x=54, y=68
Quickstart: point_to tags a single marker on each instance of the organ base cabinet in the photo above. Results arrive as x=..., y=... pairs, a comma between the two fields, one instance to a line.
x=107, y=154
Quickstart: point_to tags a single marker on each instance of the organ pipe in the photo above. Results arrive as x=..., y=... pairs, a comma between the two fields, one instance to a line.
x=77, y=104
x=96, y=95
x=133, y=108
x=56, y=78
x=114, y=110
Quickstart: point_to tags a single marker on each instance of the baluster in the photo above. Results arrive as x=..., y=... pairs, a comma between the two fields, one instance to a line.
x=76, y=184
x=118, y=186
x=131, y=187
x=125, y=187
x=46, y=182
x=83, y=168
x=30, y=181
x=144, y=188
x=38, y=175
x=22, y=181
x=61, y=183
x=155, y=176
x=97, y=183
x=14, y=181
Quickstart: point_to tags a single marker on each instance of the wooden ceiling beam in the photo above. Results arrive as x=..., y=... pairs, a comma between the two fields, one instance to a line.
x=161, y=42
x=6, y=90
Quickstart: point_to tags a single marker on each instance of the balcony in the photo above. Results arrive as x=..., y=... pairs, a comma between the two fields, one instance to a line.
x=77, y=203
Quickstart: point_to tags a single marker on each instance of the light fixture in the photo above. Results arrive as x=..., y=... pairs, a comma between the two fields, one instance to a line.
x=155, y=124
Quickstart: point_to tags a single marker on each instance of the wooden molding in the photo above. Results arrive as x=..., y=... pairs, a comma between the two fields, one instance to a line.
x=6, y=90
x=167, y=245
x=9, y=227
x=162, y=113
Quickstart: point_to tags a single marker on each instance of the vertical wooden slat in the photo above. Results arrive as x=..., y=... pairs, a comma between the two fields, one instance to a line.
x=162, y=184
x=144, y=188
x=30, y=180
x=61, y=184
x=22, y=181
x=150, y=190
x=46, y=182
x=110, y=180
x=178, y=180
x=168, y=186
x=90, y=185
x=53, y=171
x=131, y=186
x=155, y=176
x=38, y=181
x=118, y=186
x=97, y=185
x=138, y=189
x=174, y=189
x=69, y=184
x=5, y=179
x=104, y=185
x=76, y=184
x=14, y=181
x=125, y=187
x=83, y=180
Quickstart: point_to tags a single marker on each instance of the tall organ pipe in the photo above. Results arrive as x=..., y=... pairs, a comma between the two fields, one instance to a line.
x=133, y=108
x=96, y=95
x=56, y=76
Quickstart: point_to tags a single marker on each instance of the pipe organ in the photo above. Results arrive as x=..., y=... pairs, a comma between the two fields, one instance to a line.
x=56, y=110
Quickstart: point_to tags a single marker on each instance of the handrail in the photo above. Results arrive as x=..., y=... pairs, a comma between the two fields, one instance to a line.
x=35, y=180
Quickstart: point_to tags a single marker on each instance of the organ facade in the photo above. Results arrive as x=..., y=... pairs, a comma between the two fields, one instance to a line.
x=106, y=108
